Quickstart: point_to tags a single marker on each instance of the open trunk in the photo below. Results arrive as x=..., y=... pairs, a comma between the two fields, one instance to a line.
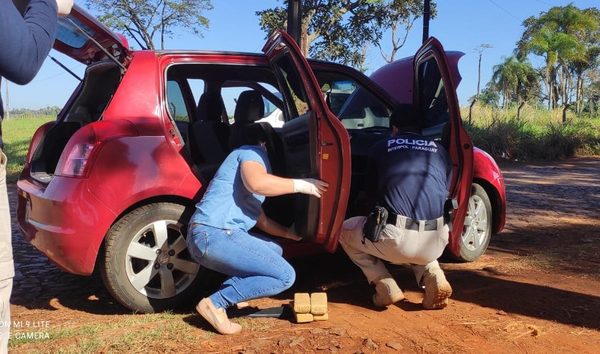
x=85, y=106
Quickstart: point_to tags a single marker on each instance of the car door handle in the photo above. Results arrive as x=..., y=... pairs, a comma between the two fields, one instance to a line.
x=326, y=143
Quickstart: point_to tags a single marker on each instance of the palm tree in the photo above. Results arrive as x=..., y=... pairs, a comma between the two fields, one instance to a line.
x=556, y=48
x=504, y=78
x=517, y=81
x=564, y=36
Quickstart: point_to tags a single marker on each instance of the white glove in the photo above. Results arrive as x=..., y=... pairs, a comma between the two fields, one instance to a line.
x=310, y=186
x=64, y=7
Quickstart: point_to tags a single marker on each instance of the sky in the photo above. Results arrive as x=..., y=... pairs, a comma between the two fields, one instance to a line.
x=462, y=25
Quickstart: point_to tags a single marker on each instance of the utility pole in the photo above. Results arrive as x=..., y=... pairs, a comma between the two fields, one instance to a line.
x=294, y=20
x=479, y=50
x=426, y=14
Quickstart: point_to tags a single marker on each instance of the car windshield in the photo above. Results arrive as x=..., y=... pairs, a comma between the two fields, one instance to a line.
x=361, y=109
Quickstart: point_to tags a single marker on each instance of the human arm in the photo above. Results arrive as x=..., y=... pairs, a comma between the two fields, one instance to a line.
x=274, y=228
x=257, y=180
x=26, y=39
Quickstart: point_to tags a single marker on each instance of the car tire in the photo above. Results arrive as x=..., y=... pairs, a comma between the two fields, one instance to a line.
x=146, y=265
x=477, y=231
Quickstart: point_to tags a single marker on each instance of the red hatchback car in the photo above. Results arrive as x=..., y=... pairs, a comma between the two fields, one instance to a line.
x=112, y=182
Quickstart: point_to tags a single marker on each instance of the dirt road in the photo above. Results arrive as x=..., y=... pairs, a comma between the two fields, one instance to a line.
x=536, y=290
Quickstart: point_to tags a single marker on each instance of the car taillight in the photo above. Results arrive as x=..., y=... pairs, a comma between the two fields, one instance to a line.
x=37, y=139
x=76, y=158
x=77, y=153
x=76, y=161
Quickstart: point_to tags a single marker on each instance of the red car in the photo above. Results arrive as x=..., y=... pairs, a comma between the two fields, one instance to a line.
x=112, y=182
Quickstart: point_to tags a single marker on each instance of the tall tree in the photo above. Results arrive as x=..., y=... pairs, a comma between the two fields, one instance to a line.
x=516, y=80
x=399, y=17
x=563, y=36
x=587, y=59
x=337, y=30
x=147, y=21
x=489, y=96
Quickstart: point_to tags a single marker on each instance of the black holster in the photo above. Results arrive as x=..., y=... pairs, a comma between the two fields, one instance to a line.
x=375, y=223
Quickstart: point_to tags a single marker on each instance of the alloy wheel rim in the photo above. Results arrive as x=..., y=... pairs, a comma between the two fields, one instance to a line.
x=157, y=262
x=476, y=225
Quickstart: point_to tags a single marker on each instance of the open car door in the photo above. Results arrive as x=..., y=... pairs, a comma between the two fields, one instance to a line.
x=315, y=144
x=435, y=96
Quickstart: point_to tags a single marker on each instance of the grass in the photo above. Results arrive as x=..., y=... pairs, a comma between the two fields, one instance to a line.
x=16, y=134
x=538, y=135
x=129, y=332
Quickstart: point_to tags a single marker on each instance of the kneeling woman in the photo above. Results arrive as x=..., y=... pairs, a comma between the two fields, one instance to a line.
x=219, y=231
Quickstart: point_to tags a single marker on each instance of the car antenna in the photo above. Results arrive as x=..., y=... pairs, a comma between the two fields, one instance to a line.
x=97, y=44
x=64, y=67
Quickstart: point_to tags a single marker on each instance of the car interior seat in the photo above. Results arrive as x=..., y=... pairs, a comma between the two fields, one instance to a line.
x=208, y=135
x=249, y=108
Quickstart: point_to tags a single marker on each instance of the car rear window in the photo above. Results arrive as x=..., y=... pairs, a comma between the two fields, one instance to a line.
x=70, y=35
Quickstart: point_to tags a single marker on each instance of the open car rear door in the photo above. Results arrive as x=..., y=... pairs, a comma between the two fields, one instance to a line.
x=435, y=96
x=316, y=143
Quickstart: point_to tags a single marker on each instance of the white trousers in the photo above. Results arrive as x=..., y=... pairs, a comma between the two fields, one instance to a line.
x=421, y=249
x=6, y=259
x=5, y=290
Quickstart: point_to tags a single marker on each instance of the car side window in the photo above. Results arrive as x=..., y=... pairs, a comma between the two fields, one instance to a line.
x=272, y=114
x=433, y=102
x=354, y=105
x=292, y=88
x=176, y=102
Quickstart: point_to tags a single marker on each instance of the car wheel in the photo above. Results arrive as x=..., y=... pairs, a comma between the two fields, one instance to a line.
x=146, y=265
x=477, y=232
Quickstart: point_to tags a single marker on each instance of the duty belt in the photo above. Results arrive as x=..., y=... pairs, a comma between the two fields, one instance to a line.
x=410, y=224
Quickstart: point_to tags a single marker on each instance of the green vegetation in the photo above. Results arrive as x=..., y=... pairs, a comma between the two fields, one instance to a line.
x=17, y=133
x=152, y=20
x=341, y=31
x=130, y=331
x=568, y=40
x=504, y=121
x=538, y=135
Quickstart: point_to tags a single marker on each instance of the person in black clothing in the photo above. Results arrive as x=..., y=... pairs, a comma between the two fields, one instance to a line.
x=408, y=175
x=27, y=32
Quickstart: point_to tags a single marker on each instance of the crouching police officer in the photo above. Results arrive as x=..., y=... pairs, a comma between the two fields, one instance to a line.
x=407, y=180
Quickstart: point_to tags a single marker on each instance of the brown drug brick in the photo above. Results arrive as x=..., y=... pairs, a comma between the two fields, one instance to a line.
x=303, y=317
x=318, y=303
x=301, y=303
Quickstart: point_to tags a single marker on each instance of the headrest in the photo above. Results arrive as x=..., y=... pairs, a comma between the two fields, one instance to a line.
x=210, y=107
x=249, y=107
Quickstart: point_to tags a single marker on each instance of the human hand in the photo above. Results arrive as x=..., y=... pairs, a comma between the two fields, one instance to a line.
x=64, y=7
x=310, y=186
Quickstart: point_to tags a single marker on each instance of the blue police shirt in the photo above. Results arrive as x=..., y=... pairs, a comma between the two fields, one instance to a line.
x=410, y=174
x=227, y=204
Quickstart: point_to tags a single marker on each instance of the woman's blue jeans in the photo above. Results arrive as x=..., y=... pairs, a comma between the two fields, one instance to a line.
x=254, y=263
